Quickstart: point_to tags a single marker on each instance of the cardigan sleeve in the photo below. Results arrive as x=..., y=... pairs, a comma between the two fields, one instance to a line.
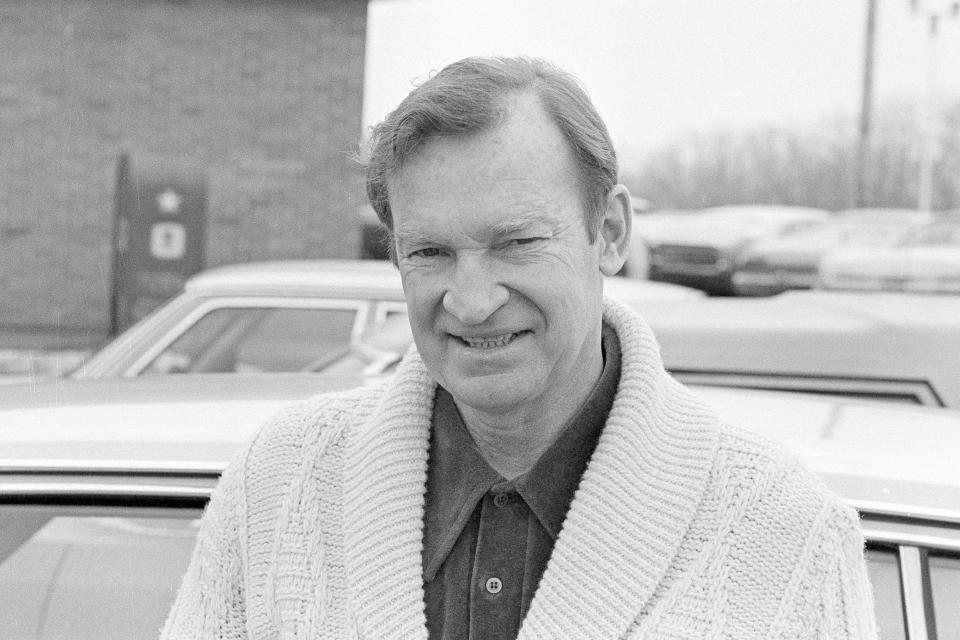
x=830, y=596
x=210, y=602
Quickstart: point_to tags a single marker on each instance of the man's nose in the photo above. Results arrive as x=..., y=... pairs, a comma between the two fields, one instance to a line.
x=474, y=293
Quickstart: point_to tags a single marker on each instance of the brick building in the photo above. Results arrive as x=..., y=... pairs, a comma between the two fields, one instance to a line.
x=265, y=95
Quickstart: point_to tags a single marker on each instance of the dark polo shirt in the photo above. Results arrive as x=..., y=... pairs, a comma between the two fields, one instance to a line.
x=487, y=540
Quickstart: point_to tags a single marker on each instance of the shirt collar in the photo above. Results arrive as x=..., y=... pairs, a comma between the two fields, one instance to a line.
x=458, y=476
x=548, y=488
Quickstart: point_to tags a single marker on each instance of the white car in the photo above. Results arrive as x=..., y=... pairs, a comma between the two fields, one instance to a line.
x=102, y=483
x=926, y=261
x=350, y=318
x=792, y=260
x=283, y=316
x=884, y=346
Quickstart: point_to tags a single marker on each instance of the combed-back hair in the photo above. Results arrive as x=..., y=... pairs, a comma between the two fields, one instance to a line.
x=468, y=97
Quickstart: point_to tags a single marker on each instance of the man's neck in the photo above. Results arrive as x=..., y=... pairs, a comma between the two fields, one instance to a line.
x=511, y=443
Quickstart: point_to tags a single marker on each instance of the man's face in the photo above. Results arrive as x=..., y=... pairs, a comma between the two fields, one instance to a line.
x=503, y=286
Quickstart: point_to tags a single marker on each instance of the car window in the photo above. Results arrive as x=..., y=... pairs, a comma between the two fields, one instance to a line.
x=180, y=356
x=945, y=584
x=377, y=351
x=251, y=339
x=91, y=578
x=295, y=339
x=883, y=567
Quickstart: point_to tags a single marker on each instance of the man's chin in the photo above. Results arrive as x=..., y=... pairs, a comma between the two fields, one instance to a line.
x=493, y=394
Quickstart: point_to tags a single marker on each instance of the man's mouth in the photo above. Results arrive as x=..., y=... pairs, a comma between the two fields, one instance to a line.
x=489, y=342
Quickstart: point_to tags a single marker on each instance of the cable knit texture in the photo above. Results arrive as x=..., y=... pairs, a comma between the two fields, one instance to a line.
x=682, y=527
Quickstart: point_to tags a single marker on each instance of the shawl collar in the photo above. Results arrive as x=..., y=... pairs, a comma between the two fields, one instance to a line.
x=385, y=476
x=636, y=500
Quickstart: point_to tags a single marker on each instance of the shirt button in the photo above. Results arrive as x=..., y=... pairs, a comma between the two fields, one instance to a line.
x=494, y=585
x=501, y=500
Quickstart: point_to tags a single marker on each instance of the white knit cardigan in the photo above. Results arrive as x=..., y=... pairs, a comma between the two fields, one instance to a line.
x=681, y=527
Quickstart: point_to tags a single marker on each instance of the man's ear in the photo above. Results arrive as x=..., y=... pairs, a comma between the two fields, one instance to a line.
x=614, y=235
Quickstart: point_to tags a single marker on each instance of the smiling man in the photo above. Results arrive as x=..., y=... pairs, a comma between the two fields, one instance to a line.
x=531, y=471
x=505, y=296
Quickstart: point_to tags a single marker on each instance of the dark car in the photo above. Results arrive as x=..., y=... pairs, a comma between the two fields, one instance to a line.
x=701, y=251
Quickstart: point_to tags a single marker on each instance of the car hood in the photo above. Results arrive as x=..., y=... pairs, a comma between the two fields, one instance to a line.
x=158, y=425
x=195, y=421
x=871, y=453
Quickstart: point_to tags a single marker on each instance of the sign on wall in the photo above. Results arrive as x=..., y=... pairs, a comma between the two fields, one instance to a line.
x=159, y=235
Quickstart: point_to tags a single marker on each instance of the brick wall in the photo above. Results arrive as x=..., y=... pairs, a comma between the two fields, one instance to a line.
x=266, y=95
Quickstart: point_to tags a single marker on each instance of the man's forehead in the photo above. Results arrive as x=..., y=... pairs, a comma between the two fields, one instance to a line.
x=512, y=223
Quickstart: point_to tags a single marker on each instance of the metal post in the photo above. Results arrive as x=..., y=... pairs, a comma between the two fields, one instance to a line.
x=927, y=111
x=928, y=118
x=866, y=107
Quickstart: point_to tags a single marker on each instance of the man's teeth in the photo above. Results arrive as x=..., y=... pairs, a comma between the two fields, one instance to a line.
x=490, y=343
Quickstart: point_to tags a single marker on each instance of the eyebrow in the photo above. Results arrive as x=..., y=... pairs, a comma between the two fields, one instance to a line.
x=522, y=222
x=412, y=236
x=415, y=236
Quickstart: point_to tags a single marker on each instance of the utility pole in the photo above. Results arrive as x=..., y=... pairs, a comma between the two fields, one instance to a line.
x=933, y=11
x=861, y=168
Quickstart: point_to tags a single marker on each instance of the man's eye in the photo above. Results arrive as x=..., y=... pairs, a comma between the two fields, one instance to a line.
x=428, y=252
x=522, y=241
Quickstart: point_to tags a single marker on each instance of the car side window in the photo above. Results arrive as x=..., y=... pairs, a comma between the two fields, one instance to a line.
x=945, y=585
x=295, y=339
x=92, y=578
x=251, y=339
x=884, y=570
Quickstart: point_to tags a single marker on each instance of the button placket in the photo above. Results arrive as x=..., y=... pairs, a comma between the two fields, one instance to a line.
x=497, y=586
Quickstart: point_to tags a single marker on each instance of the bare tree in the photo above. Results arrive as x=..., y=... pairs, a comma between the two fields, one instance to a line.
x=811, y=165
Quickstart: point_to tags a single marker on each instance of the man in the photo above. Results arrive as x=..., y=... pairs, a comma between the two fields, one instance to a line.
x=530, y=471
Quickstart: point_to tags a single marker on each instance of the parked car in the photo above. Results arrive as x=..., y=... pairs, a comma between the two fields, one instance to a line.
x=880, y=347
x=927, y=261
x=648, y=227
x=102, y=483
x=703, y=250
x=272, y=316
x=861, y=345
x=792, y=260
x=281, y=316
x=844, y=343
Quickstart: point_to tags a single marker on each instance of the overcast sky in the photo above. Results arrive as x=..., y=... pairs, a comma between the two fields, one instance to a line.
x=657, y=68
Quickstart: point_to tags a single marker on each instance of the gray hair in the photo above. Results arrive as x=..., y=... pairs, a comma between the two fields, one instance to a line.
x=468, y=97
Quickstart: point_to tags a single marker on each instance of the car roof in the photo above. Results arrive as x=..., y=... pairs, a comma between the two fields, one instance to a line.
x=377, y=279
x=869, y=452
x=335, y=278
x=758, y=212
